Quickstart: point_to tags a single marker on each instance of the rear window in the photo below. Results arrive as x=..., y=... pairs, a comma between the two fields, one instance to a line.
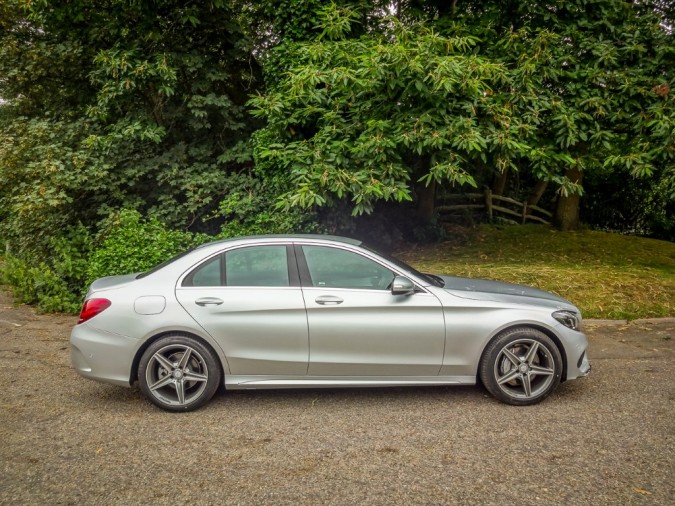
x=164, y=264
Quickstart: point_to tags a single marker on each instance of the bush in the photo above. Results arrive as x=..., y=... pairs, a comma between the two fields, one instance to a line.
x=249, y=209
x=125, y=243
x=631, y=205
x=129, y=243
x=55, y=284
x=38, y=285
x=57, y=280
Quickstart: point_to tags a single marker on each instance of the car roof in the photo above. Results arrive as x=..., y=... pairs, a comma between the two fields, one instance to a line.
x=287, y=237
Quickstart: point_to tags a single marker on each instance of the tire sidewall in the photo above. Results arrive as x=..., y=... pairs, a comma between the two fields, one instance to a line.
x=486, y=370
x=212, y=364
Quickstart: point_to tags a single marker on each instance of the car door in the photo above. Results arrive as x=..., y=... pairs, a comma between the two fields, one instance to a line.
x=357, y=327
x=249, y=299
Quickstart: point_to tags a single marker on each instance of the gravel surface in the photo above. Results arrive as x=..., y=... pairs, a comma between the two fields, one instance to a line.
x=607, y=439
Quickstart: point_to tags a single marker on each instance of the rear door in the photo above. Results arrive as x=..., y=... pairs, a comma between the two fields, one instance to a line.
x=357, y=327
x=249, y=299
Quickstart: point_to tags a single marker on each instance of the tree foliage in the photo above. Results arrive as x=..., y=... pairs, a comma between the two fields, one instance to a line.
x=350, y=114
x=120, y=105
x=126, y=119
x=459, y=92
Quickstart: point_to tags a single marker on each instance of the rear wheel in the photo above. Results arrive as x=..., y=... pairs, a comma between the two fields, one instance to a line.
x=521, y=366
x=178, y=373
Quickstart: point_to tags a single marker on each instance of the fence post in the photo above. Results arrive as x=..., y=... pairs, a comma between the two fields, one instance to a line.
x=488, y=202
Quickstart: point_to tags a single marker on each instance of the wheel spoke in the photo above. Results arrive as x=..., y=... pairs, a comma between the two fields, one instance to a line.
x=541, y=371
x=524, y=367
x=527, y=385
x=532, y=352
x=511, y=356
x=184, y=359
x=176, y=376
x=193, y=376
x=509, y=376
x=180, y=391
x=163, y=362
x=161, y=383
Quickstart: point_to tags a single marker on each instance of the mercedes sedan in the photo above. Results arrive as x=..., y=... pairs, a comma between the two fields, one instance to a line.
x=308, y=311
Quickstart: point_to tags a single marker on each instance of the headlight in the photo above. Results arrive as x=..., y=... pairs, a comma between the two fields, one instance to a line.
x=569, y=319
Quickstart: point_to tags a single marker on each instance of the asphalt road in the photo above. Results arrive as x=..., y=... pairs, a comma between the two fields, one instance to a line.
x=607, y=439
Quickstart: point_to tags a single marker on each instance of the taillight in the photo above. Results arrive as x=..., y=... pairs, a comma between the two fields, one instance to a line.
x=92, y=307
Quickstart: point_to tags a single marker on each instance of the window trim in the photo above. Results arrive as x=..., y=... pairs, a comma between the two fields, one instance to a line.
x=306, y=277
x=291, y=267
x=189, y=278
x=303, y=268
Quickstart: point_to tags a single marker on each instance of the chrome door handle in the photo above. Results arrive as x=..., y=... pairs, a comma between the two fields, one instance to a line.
x=208, y=301
x=325, y=300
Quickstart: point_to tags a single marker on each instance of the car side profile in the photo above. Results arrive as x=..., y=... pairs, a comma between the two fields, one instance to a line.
x=310, y=311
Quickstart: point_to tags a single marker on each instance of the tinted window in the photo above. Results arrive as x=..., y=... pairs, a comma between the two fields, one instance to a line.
x=207, y=274
x=430, y=278
x=337, y=268
x=163, y=264
x=257, y=266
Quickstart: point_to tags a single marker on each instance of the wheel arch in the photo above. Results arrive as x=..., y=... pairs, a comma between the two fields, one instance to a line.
x=549, y=333
x=133, y=374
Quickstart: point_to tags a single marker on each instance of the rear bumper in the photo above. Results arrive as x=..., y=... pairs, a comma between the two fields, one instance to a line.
x=102, y=356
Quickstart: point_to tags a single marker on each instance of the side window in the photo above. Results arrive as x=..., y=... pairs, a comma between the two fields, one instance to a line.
x=207, y=274
x=338, y=268
x=257, y=266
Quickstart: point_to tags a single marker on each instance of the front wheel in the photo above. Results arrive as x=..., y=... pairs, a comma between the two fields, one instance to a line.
x=521, y=366
x=178, y=373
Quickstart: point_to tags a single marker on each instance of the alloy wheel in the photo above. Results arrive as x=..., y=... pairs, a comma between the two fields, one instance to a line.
x=177, y=375
x=524, y=369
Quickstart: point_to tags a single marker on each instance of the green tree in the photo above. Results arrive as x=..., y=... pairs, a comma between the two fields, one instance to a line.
x=120, y=105
x=115, y=105
x=351, y=116
x=457, y=92
x=605, y=69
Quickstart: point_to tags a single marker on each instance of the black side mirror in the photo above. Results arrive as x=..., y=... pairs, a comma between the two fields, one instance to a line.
x=402, y=286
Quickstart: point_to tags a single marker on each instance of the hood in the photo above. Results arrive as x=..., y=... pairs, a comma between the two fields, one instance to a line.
x=111, y=282
x=484, y=289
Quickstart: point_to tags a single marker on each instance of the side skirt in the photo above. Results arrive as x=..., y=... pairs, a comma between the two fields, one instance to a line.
x=264, y=382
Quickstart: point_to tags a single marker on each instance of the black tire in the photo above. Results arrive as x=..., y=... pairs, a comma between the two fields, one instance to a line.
x=179, y=373
x=521, y=366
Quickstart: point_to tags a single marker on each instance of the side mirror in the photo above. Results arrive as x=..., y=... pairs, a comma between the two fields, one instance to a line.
x=402, y=286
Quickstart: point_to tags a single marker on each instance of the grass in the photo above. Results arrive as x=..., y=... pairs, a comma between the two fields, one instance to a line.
x=605, y=275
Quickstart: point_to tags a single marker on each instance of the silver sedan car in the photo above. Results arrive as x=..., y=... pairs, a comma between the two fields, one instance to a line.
x=309, y=311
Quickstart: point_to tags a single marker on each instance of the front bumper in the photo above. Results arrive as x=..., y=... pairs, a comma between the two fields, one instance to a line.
x=576, y=345
x=584, y=366
x=102, y=356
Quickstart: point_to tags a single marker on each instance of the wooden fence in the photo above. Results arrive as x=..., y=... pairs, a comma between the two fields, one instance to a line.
x=454, y=204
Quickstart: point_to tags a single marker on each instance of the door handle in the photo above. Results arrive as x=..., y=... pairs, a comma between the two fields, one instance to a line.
x=328, y=300
x=208, y=301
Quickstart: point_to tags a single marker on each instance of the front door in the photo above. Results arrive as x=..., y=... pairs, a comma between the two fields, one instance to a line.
x=357, y=327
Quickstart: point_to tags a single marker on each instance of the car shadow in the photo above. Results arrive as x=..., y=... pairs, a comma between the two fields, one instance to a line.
x=356, y=395
x=106, y=397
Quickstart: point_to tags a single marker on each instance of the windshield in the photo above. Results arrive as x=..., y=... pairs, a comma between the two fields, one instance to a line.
x=430, y=278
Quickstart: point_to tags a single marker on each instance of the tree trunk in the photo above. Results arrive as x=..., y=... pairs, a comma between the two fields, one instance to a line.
x=537, y=193
x=500, y=182
x=426, y=204
x=566, y=215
